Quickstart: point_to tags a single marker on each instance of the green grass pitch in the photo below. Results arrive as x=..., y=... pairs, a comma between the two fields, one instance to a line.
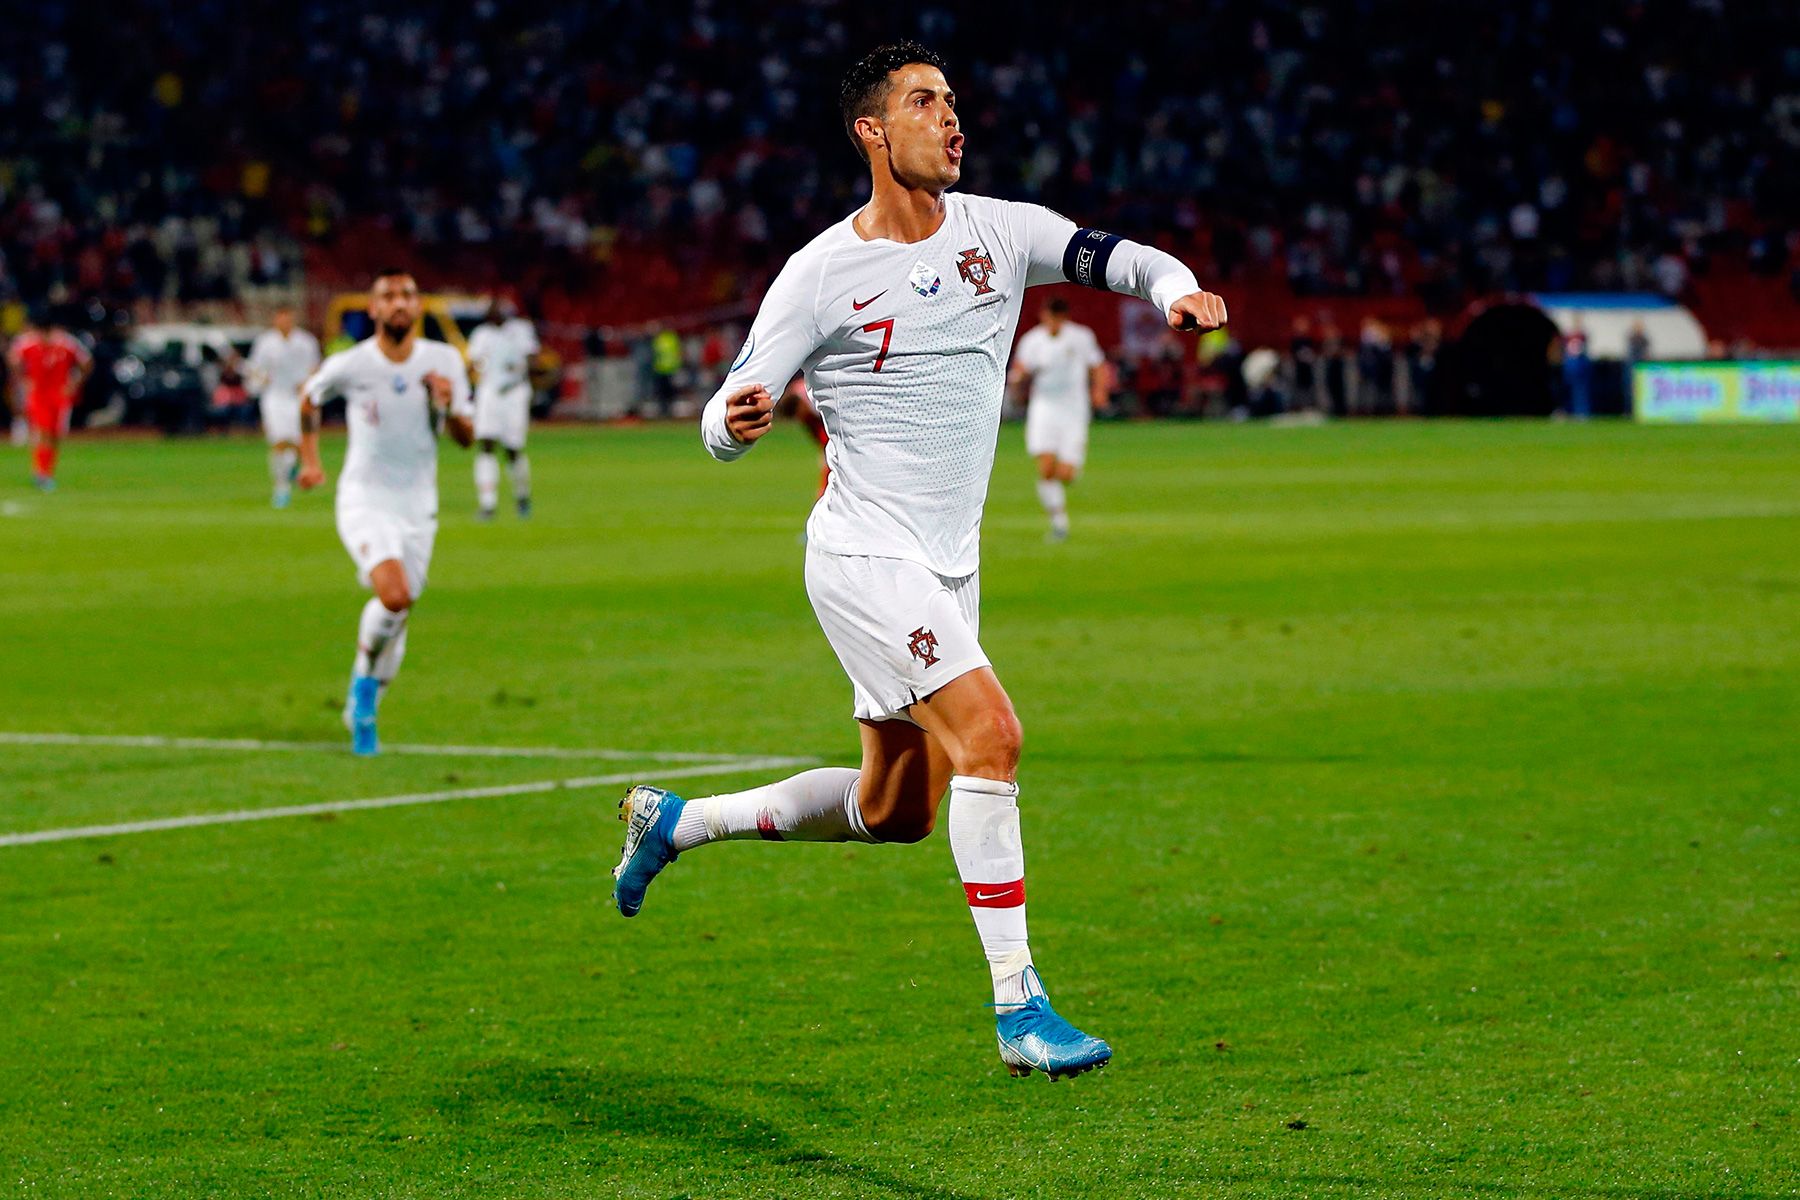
x=1414, y=807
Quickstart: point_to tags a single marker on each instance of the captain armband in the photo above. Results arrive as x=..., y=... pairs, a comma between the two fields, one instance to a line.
x=1085, y=258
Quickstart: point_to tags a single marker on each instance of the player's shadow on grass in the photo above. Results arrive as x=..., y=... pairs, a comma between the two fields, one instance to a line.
x=621, y=1112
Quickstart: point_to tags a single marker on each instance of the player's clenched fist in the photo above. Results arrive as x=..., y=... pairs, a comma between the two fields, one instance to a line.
x=311, y=476
x=749, y=411
x=1197, y=311
x=438, y=388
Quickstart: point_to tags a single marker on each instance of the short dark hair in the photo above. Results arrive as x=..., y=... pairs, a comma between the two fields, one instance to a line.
x=389, y=273
x=865, y=89
x=1057, y=305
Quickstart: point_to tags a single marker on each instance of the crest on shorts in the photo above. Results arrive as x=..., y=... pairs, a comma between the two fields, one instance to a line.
x=923, y=645
x=924, y=280
x=977, y=268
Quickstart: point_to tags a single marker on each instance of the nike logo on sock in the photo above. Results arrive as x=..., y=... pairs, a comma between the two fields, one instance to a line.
x=996, y=895
x=859, y=305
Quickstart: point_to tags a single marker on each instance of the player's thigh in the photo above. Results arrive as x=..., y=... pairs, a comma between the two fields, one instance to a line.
x=373, y=535
x=1071, y=446
x=905, y=772
x=1040, y=431
x=280, y=421
x=973, y=719
x=489, y=415
x=899, y=630
x=44, y=417
x=516, y=419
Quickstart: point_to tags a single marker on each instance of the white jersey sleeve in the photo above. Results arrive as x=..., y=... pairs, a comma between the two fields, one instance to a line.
x=261, y=363
x=782, y=338
x=1057, y=252
x=328, y=381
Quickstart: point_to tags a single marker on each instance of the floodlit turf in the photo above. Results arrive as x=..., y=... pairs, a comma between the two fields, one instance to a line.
x=1413, y=806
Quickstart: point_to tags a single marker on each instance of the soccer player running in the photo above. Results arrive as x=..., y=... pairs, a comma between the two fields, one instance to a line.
x=902, y=316
x=280, y=360
x=500, y=350
x=399, y=391
x=50, y=365
x=1066, y=371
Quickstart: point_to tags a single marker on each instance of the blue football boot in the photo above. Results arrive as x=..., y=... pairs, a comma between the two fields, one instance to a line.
x=649, y=814
x=359, y=714
x=1033, y=1038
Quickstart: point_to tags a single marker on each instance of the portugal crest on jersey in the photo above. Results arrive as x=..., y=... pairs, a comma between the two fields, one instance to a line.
x=977, y=268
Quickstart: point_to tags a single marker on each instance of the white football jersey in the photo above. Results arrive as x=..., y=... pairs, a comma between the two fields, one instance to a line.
x=392, y=459
x=1059, y=364
x=502, y=353
x=904, y=347
x=279, y=365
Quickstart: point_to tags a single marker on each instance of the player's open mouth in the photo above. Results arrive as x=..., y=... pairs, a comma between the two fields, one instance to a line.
x=954, y=147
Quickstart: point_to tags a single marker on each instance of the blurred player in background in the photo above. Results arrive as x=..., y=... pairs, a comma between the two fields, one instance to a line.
x=500, y=350
x=399, y=391
x=902, y=316
x=1066, y=371
x=48, y=366
x=280, y=360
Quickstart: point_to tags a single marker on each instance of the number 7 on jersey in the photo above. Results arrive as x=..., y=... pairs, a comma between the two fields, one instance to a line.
x=886, y=325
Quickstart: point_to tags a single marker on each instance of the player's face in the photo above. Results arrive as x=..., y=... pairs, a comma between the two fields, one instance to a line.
x=284, y=320
x=925, y=141
x=394, y=304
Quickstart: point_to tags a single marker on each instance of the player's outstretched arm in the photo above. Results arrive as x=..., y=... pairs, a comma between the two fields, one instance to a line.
x=1057, y=251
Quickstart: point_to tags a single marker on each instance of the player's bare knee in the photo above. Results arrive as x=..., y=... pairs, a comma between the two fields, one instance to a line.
x=992, y=750
x=395, y=597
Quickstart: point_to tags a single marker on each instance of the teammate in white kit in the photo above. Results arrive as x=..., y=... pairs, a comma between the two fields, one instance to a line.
x=902, y=315
x=398, y=391
x=280, y=360
x=1066, y=370
x=500, y=350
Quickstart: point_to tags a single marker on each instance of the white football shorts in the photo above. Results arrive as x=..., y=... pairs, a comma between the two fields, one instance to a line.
x=280, y=417
x=374, y=535
x=503, y=415
x=901, y=630
x=1061, y=431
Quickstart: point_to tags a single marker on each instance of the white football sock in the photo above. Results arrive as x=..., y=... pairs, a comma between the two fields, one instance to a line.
x=487, y=479
x=519, y=467
x=281, y=468
x=387, y=663
x=1054, y=499
x=377, y=629
x=984, y=839
x=813, y=806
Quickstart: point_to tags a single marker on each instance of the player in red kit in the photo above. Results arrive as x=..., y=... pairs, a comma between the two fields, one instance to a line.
x=50, y=366
x=815, y=425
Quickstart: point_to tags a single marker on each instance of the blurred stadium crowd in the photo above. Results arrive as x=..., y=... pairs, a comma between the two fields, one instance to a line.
x=624, y=161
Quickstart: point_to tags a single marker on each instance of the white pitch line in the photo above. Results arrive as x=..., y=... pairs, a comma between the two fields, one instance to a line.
x=152, y=742
x=192, y=820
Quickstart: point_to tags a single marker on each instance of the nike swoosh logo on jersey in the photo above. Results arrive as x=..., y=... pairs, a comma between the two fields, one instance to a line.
x=860, y=305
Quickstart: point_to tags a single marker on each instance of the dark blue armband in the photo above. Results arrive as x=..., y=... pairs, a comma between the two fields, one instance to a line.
x=1084, y=261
